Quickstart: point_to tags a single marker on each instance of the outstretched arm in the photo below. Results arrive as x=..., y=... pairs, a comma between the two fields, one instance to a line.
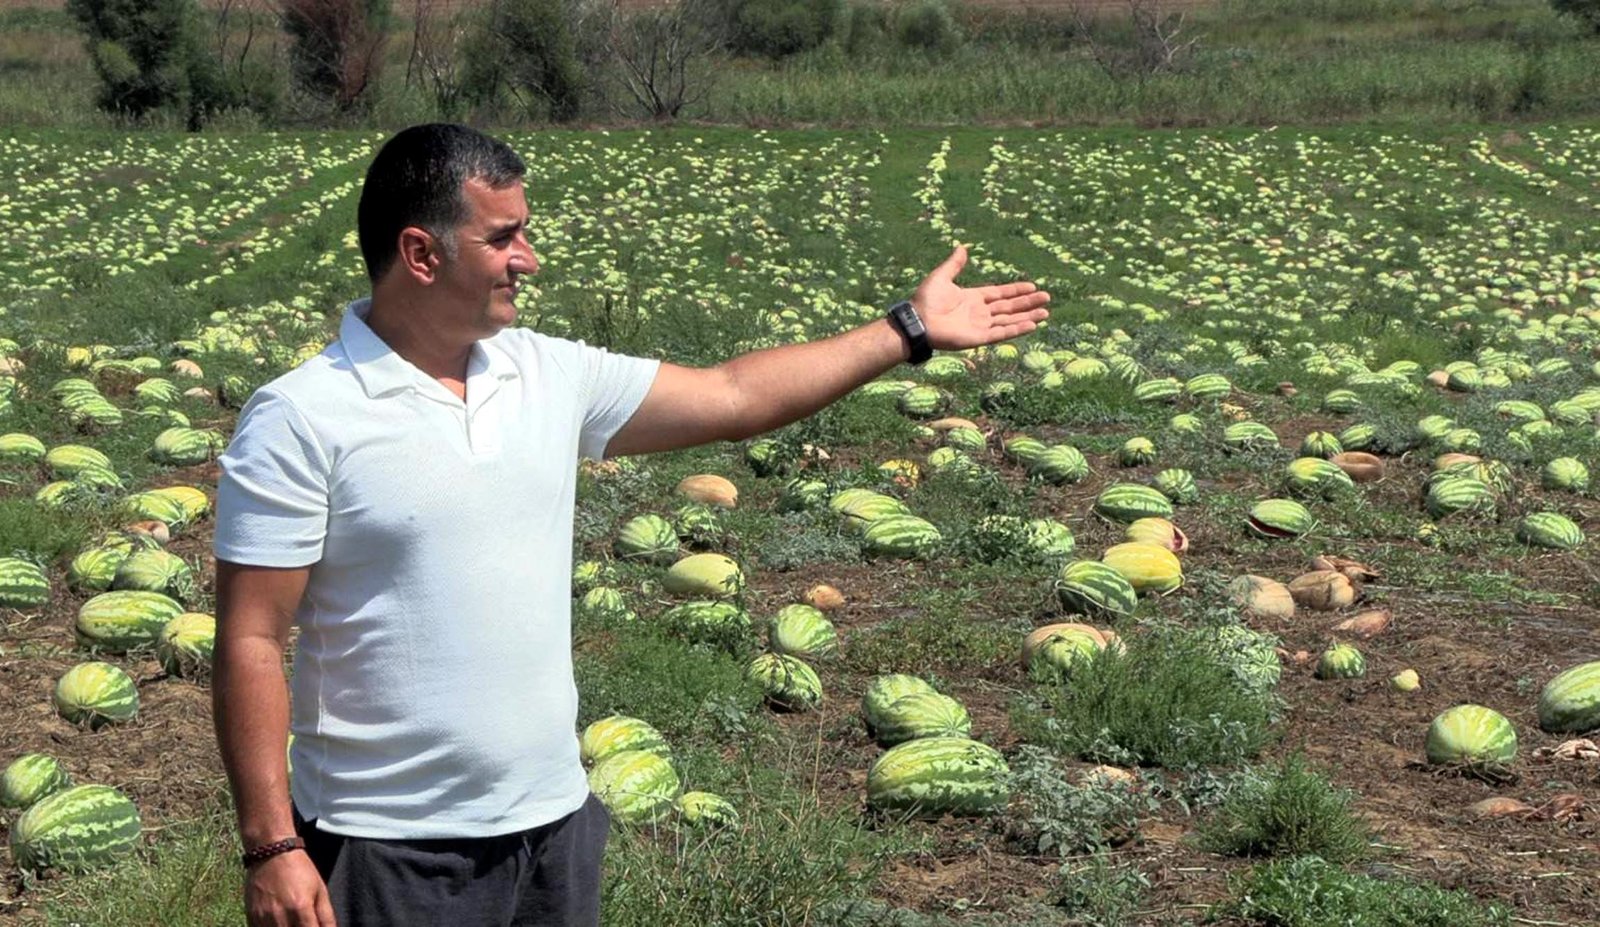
x=767, y=389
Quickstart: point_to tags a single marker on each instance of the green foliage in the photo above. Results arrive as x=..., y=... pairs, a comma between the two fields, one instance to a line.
x=336, y=46
x=1310, y=892
x=1098, y=892
x=779, y=28
x=1586, y=12
x=526, y=49
x=34, y=532
x=1063, y=819
x=865, y=27
x=149, y=56
x=1290, y=810
x=926, y=25
x=1168, y=700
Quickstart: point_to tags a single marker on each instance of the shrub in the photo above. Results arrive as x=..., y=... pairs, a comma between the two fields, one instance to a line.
x=526, y=48
x=1307, y=892
x=1586, y=12
x=778, y=28
x=1061, y=818
x=1168, y=700
x=336, y=46
x=149, y=55
x=1100, y=893
x=1288, y=811
x=865, y=27
x=927, y=25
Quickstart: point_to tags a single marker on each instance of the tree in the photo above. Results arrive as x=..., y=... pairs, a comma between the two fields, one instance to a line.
x=336, y=49
x=150, y=55
x=1153, y=46
x=664, y=58
x=526, y=48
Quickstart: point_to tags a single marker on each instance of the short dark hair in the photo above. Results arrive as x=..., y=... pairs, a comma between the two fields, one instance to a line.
x=417, y=179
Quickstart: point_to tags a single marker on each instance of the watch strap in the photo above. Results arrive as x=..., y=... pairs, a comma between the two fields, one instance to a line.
x=903, y=316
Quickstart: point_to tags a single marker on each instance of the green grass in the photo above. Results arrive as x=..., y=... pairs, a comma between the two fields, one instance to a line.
x=1287, y=810
x=1310, y=892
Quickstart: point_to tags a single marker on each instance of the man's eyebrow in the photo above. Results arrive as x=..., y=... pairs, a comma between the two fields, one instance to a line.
x=509, y=227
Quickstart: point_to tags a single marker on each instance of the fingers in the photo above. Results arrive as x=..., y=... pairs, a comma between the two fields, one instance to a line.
x=1025, y=303
x=1007, y=290
x=325, y=909
x=952, y=265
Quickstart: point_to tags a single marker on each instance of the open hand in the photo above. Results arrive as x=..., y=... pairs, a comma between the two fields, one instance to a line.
x=965, y=317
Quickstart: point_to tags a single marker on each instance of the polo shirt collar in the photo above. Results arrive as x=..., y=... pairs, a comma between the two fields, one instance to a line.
x=381, y=371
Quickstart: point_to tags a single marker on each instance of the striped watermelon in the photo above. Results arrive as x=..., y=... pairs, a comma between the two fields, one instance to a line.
x=720, y=623
x=923, y=401
x=944, y=367
x=1058, y=464
x=938, y=775
x=1570, y=703
x=1320, y=444
x=997, y=396
x=697, y=525
x=704, y=809
x=19, y=448
x=801, y=494
x=606, y=602
x=1341, y=402
x=75, y=829
x=1566, y=473
x=1092, y=588
x=588, y=574
x=801, y=631
x=1461, y=439
x=861, y=507
x=126, y=619
x=1341, y=661
x=1137, y=452
x=1128, y=502
x=636, y=786
x=1314, y=477
x=153, y=506
x=1454, y=494
x=647, y=538
x=96, y=693
x=23, y=584
x=885, y=387
x=1185, y=424
x=1146, y=567
x=1208, y=386
x=1048, y=538
x=1024, y=449
x=617, y=734
x=65, y=460
x=1085, y=368
x=98, y=479
x=1358, y=437
x=787, y=681
x=1549, y=529
x=970, y=440
x=182, y=447
x=1471, y=734
x=62, y=493
x=31, y=777
x=884, y=691
x=922, y=714
x=157, y=390
x=1245, y=435
x=156, y=571
x=904, y=536
x=765, y=457
x=1567, y=412
x=1519, y=410
x=1050, y=653
x=1160, y=532
x=186, y=644
x=1176, y=484
x=1165, y=389
x=1280, y=518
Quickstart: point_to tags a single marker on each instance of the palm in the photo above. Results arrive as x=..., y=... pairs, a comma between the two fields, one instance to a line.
x=960, y=317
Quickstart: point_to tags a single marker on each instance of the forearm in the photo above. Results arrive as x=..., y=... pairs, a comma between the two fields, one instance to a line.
x=780, y=385
x=250, y=708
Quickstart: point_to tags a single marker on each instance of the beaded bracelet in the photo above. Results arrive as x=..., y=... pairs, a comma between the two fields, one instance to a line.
x=267, y=851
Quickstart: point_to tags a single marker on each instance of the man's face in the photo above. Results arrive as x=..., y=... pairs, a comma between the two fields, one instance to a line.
x=492, y=253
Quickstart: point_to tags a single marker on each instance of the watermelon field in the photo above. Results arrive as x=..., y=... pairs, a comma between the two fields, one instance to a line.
x=1258, y=587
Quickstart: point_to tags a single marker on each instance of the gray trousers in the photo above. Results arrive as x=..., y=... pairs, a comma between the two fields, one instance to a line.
x=547, y=876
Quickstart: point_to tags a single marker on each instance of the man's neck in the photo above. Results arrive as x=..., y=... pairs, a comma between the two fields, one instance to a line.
x=404, y=327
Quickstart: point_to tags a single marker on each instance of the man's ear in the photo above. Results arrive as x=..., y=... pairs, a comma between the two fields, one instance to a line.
x=420, y=254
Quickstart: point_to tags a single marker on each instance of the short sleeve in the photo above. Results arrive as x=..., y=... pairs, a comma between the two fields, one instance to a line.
x=272, y=497
x=613, y=387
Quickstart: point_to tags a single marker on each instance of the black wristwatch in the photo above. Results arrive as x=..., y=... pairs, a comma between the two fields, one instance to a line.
x=904, y=318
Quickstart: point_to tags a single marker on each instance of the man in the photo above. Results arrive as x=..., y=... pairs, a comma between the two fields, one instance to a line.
x=406, y=498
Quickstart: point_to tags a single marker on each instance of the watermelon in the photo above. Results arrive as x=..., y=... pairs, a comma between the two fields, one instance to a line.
x=1177, y=485
x=125, y=619
x=1185, y=424
x=95, y=694
x=186, y=643
x=1358, y=437
x=1341, y=402
x=904, y=536
x=704, y=809
x=1549, y=529
x=98, y=479
x=802, y=493
x=944, y=367
x=1208, y=386
x=1037, y=361
x=787, y=681
x=617, y=734
x=1092, y=588
x=157, y=390
x=65, y=460
x=588, y=574
x=1246, y=435
x=922, y=714
x=1320, y=444
x=1160, y=532
x=1519, y=410
x=1023, y=449
x=75, y=829
x=19, y=448
x=1471, y=734
x=1058, y=464
x=1127, y=502
x=862, y=507
x=1085, y=368
x=970, y=440
x=801, y=631
x=938, y=775
x=884, y=691
x=182, y=447
x=62, y=493
x=647, y=538
x=23, y=584
x=697, y=525
x=1137, y=452
x=1341, y=661
x=923, y=401
x=997, y=396
x=1146, y=567
x=1051, y=653
x=1251, y=655
x=1570, y=703
x=1453, y=494
x=1567, y=473
x=1280, y=518
x=1165, y=389
x=1048, y=538
x=31, y=777
x=636, y=786
x=153, y=506
x=1314, y=477
x=765, y=457
x=709, y=622
x=156, y=571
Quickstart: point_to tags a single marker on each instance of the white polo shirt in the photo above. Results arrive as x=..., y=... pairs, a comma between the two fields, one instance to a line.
x=432, y=693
